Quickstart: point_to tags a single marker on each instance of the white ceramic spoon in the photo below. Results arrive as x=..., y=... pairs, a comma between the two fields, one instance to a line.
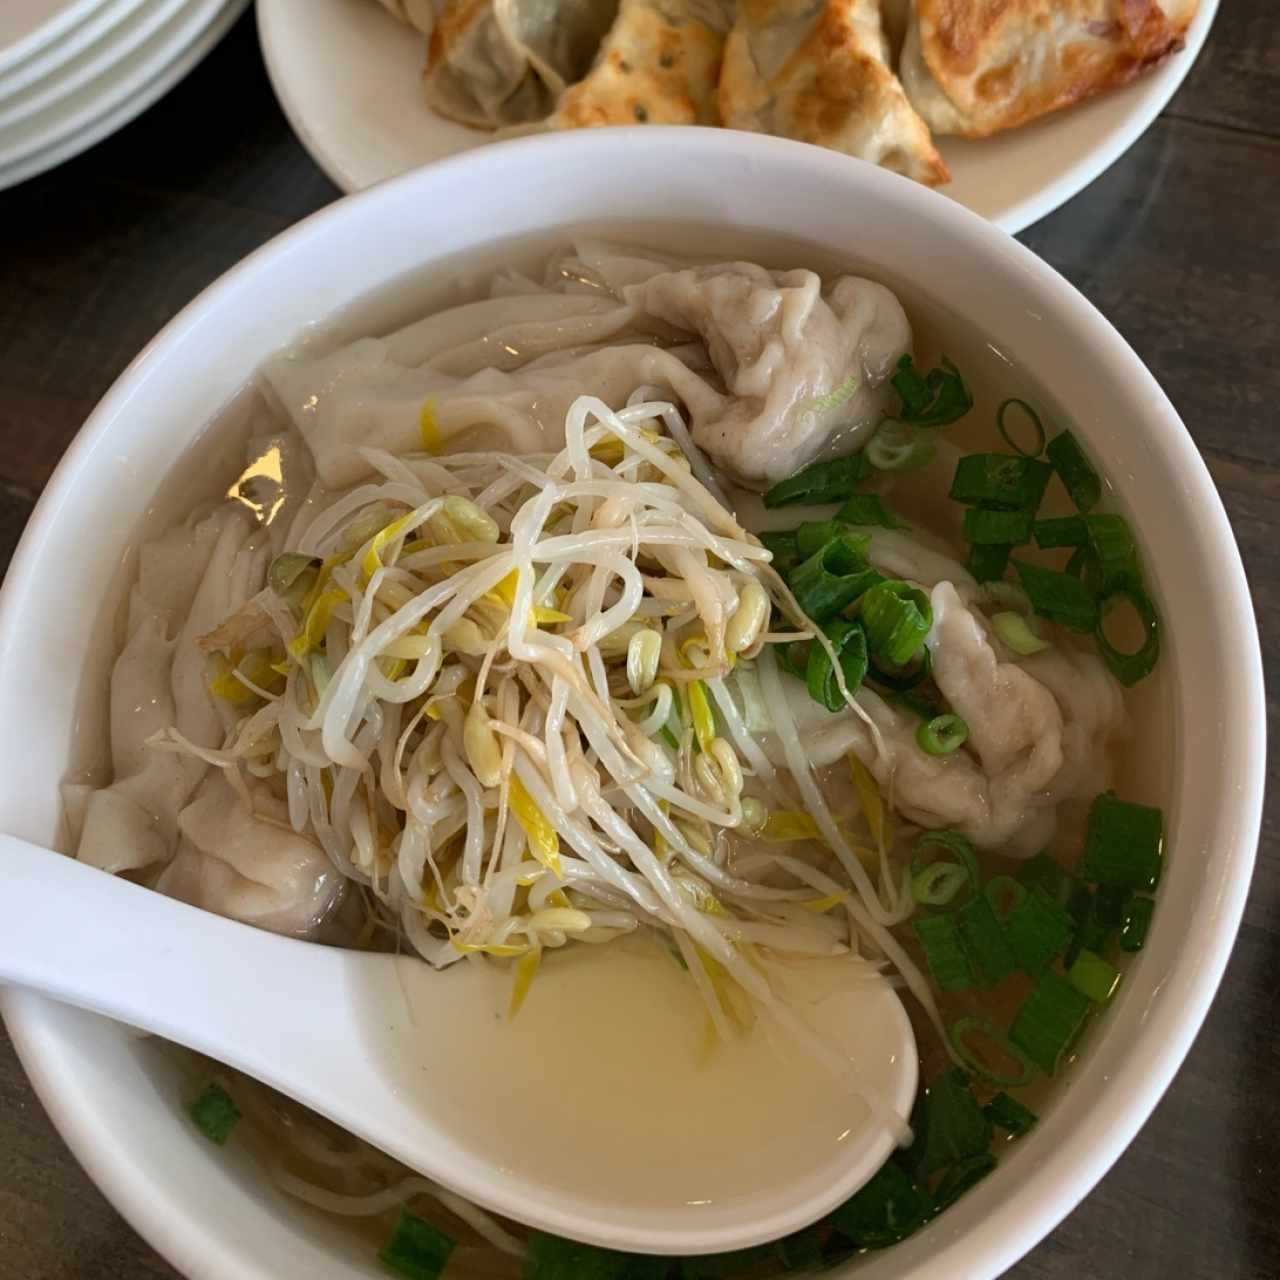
x=426, y=1066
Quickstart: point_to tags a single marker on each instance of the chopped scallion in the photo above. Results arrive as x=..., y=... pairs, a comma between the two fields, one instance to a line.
x=867, y=509
x=1035, y=428
x=960, y=1178
x=416, y=1249
x=985, y=941
x=997, y=528
x=938, y=884
x=819, y=483
x=784, y=548
x=1112, y=542
x=1137, y=921
x=834, y=576
x=945, y=848
x=554, y=1258
x=962, y=1034
x=897, y=617
x=850, y=644
x=887, y=1209
x=1058, y=596
x=1000, y=480
x=904, y=679
x=1010, y=1115
x=813, y=535
x=942, y=735
x=1003, y=893
x=1075, y=470
x=1093, y=976
x=1049, y=1020
x=1015, y=631
x=1061, y=531
x=1129, y=666
x=948, y=1125
x=944, y=951
x=215, y=1114
x=718, y=1266
x=986, y=562
x=1037, y=929
x=934, y=399
x=896, y=446
x=1122, y=845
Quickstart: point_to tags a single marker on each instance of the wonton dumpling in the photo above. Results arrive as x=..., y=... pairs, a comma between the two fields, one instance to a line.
x=497, y=63
x=819, y=72
x=658, y=65
x=974, y=67
x=251, y=867
x=417, y=13
x=806, y=366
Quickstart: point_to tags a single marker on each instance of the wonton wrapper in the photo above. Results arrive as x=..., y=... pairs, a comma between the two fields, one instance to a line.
x=658, y=65
x=417, y=13
x=493, y=64
x=819, y=72
x=975, y=67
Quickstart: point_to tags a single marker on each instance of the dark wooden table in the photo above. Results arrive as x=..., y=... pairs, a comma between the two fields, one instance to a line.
x=1178, y=244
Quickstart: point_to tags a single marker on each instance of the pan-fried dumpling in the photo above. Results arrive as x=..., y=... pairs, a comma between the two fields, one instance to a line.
x=818, y=71
x=658, y=65
x=974, y=67
x=417, y=13
x=497, y=63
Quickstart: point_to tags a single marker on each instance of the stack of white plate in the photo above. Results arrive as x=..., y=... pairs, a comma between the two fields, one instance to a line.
x=73, y=71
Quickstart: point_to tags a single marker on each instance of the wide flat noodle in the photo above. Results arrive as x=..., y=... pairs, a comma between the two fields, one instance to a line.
x=976, y=67
x=819, y=72
x=658, y=65
x=500, y=63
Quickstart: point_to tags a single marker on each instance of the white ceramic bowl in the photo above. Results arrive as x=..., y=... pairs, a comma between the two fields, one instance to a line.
x=113, y=1099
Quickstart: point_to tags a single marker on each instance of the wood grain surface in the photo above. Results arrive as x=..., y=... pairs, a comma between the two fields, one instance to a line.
x=1178, y=244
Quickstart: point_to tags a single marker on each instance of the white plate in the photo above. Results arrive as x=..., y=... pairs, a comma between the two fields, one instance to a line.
x=122, y=82
x=28, y=25
x=94, y=62
x=44, y=62
x=183, y=60
x=379, y=124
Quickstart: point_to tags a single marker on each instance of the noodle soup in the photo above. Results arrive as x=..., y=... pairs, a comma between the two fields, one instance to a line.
x=700, y=612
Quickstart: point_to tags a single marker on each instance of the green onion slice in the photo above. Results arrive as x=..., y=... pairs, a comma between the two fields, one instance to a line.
x=1003, y=893
x=887, y=1209
x=965, y=1030
x=1133, y=665
x=813, y=535
x=1075, y=470
x=1061, y=531
x=897, y=617
x=938, y=884
x=1137, y=922
x=987, y=562
x=905, y=679
x=946, y=849
x=1010, y=1115
x=1000, y=480
x=934, y=399
x=1015, y=631
x=416, y=1249
x=994, y=528
x=942, y=735
x=215, y=1114
x=1033, y=421
x=785, y=549
x=1123, y=844
x=850, y=644
x=985, y=940
x=1048, y=1021
x=1113, y=544
x=1037, y=929
x=1058, y=597
x=948, y=1125
x=960, y=1178
x=1093, y=976
x=834, y=576
x=868, y=509
x=896, y=446
x=944, y=951
x=821, y=482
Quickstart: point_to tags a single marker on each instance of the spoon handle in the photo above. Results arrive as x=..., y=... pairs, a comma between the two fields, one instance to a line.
x=236, y=993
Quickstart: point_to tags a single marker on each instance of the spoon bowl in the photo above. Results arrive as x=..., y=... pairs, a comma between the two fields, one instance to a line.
x=426, y=1065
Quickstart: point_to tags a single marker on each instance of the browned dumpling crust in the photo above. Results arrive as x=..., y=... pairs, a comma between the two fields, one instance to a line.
x=976, y=67
x=819, y=72
x=658, y=65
